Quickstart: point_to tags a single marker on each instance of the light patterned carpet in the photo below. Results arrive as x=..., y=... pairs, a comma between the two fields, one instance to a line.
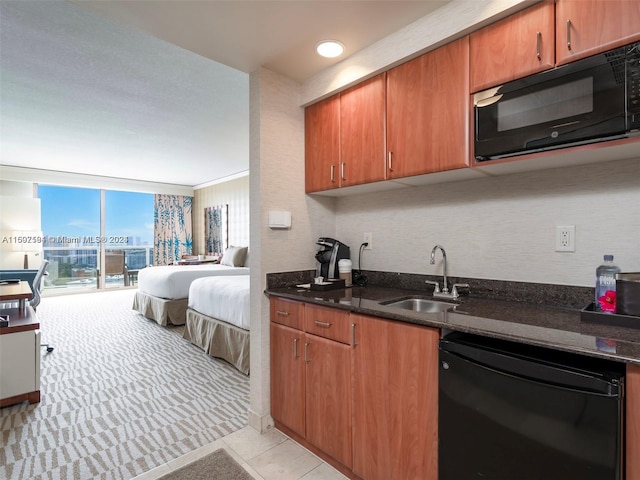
x=120, y=395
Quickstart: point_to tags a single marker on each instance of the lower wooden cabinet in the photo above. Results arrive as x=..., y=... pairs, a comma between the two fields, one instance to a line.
x=287, y=377
x=395, y=397
x=361, y=391
x=328, y=404
x=633, y=422
x=311, y=377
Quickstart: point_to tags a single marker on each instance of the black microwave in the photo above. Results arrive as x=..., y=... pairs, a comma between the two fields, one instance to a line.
x=587, y=101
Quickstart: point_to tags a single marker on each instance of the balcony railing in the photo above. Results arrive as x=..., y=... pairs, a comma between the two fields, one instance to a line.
x=76, y=268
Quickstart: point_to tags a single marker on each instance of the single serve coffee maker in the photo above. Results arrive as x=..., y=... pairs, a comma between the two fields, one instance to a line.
x=330, y=253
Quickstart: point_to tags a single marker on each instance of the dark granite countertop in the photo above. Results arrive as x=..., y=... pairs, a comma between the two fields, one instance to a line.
x=548, y=326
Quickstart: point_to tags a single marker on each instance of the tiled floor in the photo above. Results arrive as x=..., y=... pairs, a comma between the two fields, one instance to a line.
x=270, y=456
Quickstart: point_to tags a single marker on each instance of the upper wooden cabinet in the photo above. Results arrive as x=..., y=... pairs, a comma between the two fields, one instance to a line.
x=519, y=45
x=587, y=27
x=322, y=145
x=413, y=120
x=427, y=112
x=362, y=132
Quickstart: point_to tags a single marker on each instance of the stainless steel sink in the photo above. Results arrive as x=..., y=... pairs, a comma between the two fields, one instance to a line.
x=416, y=304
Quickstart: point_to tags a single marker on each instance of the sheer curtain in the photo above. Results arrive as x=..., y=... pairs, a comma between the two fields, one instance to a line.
x=172, y=231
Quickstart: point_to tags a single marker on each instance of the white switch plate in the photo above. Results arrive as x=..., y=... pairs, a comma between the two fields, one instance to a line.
x=566, y=238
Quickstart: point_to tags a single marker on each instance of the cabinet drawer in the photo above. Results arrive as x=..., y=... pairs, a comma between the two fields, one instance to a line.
x=287, y=312
x=328, y=323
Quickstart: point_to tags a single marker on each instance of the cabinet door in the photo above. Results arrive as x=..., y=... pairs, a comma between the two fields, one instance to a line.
x=322, y=144
x=362, y=136
x=19, y=363
x=633, y=422
x=515, y=47
x=428, y=111
x=287, y=377
x=395, y=395
x=587, y=27
x=329, y=397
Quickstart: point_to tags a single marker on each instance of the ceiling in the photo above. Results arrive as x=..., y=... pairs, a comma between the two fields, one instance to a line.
x=159, y=90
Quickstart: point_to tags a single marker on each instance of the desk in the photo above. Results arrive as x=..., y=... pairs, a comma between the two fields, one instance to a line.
x=20, y=357
x=16, y=291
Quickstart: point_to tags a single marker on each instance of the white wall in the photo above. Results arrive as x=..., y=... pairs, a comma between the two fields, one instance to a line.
x=234, y=193
x=66, y=179
x=19, y=211
x=10, y=188
x=277, y=183
x=504, y=227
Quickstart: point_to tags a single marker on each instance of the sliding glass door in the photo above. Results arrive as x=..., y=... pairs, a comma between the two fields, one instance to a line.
x=128, y=235
x=70, y=225
x=95, y=238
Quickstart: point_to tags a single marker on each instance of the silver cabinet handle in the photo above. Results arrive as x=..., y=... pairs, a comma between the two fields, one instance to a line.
x=390, y=161
x=539, y=45
x=353, y=334
x=306, y=352
x=283, y=313
x=569, y=34
x=295, y=348
x=322, y=324
x=333, y=178
x=342, y=171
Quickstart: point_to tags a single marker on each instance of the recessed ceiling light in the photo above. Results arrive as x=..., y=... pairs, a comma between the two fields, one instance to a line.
x=330, y=48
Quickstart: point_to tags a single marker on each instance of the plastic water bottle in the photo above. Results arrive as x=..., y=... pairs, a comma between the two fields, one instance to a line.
x=605, y=300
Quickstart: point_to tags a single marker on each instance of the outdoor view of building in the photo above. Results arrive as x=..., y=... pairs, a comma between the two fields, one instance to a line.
x=79, y=224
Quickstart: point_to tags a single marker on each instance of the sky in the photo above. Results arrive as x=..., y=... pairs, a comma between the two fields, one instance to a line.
x=75, y=212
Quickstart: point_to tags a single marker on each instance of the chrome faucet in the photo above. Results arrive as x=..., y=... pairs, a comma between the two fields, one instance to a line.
x=445, y=289
x=444, y=293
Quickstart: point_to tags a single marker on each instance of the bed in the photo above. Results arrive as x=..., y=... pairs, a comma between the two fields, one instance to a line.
x=163, y=291
x=218, y=318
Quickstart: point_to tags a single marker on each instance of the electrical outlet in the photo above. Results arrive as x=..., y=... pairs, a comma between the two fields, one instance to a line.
x=368, y=238
x=566, y=238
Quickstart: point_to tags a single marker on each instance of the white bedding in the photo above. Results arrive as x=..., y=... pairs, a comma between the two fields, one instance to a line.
x=224, y=298
x=173, y=281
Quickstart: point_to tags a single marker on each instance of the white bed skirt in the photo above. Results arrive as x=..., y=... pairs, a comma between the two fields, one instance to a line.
x=161, y=310
x=218, y=339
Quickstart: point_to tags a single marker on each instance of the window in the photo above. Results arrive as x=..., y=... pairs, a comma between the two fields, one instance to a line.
x=81, y=226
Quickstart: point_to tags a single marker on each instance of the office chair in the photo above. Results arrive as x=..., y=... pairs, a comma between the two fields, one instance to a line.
x=36, y=290
x=38, y=282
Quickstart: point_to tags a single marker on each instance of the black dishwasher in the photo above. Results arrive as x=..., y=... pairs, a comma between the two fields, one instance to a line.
x=509, y=411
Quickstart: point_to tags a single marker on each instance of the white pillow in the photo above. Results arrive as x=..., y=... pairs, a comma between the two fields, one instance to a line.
x=234, y=256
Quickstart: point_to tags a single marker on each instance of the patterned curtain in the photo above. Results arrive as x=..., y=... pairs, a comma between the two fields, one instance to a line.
x=172, y=231
x=215, y=229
